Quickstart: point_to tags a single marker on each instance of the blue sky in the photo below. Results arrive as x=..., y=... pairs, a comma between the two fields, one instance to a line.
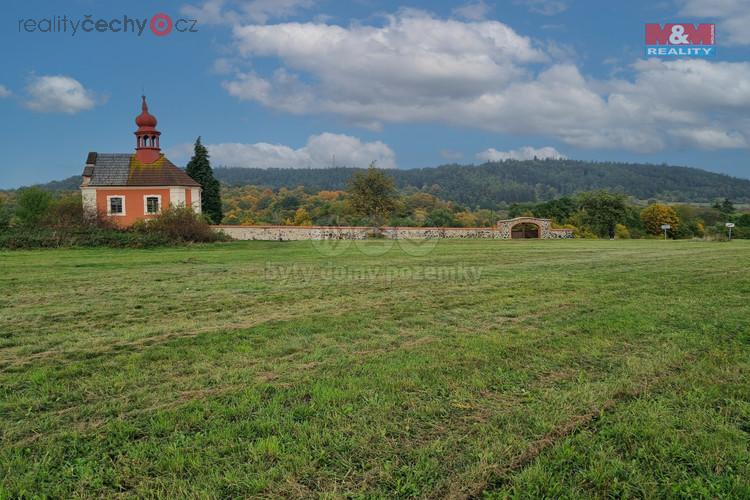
x=311, y=83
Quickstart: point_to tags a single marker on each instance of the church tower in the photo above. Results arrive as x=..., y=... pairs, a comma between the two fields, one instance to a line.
x=147, y=148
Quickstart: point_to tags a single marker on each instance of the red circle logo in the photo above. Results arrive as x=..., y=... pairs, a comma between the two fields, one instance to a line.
x=161, y=24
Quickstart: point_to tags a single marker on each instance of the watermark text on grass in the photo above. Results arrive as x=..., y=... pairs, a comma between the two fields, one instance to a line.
x=372, y=273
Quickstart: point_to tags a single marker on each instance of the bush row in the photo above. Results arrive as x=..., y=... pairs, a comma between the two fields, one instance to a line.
x=24, y=238
x=39, y=221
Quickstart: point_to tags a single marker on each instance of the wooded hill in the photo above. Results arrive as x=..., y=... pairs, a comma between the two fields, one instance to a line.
x=493, y=184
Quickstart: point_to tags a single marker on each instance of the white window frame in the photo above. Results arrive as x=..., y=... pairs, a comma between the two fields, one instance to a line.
x=145, y=204
x=109, y=205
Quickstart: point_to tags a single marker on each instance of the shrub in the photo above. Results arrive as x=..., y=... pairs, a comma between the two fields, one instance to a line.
x=33, y=206
x=601, y=211
x=180, y=225
x=302, y=218
x=692, y=228
x=64, y=225
x=585, y=233
x=466, y=219
x=622, y=232
x=576, y=232
x=45, y=237
x=719, y=232
x=440, y=217
x=66, y=218
x=716, y=233
x=4, y=215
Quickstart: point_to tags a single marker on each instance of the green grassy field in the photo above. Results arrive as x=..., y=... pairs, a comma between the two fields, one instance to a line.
x=485, y=368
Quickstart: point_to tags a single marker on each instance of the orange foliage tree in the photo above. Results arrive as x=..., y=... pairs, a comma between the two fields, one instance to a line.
x=653, y=216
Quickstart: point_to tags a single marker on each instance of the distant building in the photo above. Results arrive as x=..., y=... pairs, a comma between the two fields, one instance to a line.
x=128, y=187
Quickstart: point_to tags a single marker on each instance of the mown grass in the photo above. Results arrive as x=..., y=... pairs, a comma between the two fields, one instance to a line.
x=560, y=369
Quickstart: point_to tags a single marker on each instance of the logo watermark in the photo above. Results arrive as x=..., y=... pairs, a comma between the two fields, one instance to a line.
x=333, y=241
x=159, y=24
x=680, y=40
x=374, y=247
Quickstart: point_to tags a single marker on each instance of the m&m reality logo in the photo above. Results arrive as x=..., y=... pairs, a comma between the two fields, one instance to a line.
x=676, y=40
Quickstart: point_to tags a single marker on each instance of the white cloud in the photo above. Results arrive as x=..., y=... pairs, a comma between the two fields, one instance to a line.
x=58, y=94
x=4, y=92
x=410, y=62
x=733, y=17
x=524, y=153
x=235, y=11
x=545, y=7
x=474, y=11
x=249, y=86
x=321, y=151
x=417, y=68
x=412, y=51
x=710, y=138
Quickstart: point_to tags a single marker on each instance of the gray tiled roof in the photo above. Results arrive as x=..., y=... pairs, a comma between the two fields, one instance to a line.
x=111, y=169
x=119, y=169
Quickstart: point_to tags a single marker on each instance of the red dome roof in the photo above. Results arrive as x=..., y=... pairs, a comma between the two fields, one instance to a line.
x=145, y=119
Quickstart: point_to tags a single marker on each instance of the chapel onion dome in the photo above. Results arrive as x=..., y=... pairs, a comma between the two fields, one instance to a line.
x=145, y=119
x=147, y=149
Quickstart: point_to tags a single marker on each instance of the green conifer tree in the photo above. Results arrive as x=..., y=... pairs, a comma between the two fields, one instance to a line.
x=199, y=168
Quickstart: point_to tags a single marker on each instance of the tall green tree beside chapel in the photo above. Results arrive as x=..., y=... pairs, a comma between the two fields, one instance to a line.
x=199, y=168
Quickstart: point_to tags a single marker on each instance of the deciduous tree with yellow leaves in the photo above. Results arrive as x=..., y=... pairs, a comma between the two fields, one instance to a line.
x=653, y=216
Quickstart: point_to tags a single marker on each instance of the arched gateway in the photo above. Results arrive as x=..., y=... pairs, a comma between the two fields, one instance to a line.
x=525, y=231
x=531, y=227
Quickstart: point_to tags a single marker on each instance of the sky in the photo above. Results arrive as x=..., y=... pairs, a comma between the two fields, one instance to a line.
x=320, y=83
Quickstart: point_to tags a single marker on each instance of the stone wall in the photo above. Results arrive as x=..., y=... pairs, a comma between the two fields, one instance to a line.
x=440, y=232
x=296, y=233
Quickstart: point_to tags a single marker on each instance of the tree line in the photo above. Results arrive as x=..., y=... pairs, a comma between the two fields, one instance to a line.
x=497, y=185
x=371, y=197
x=36, y=217
x=602, y=214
